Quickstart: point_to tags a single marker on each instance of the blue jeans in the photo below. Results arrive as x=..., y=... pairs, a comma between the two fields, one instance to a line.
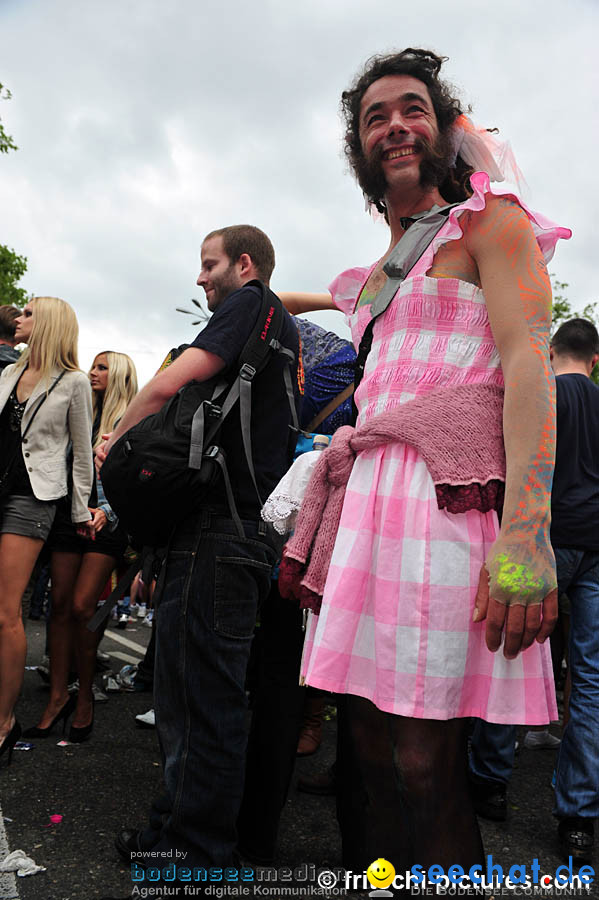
x=577, y=785
x=492, y=749
x=214, y=582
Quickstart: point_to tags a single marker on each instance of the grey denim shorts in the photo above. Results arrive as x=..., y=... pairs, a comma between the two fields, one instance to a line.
x=27, y=516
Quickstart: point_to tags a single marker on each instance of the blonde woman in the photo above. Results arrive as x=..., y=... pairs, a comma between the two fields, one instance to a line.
x=45, y=407
x=81, y=565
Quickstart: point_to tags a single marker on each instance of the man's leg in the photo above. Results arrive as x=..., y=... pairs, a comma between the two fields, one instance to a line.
x=492, y=749
x=275, y=726
x=415, y=774
x=577, y=785
x=205, y=622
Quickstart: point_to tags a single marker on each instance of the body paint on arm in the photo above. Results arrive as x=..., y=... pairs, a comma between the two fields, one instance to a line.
x=518, y=294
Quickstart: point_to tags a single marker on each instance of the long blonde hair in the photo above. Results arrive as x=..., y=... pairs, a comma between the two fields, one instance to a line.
x=121, y=388
x=54, y=337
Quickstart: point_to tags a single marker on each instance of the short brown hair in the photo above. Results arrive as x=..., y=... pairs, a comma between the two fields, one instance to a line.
x=238, y=239
x=8, y=316
x=577, y=339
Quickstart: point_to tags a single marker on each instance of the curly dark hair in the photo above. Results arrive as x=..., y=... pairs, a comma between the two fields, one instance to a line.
x=453, y=183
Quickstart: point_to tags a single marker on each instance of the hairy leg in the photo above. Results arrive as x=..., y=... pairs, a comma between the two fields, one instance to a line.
x=94, y=573
x=64, y=568
x=428, y=817
x=17, y=559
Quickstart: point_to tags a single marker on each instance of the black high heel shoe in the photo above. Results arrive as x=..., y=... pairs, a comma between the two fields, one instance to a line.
x=78, y=735
x=8, y=744
x=64, y=713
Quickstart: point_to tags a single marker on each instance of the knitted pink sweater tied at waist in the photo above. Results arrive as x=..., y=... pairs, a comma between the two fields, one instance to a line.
x=458, y=431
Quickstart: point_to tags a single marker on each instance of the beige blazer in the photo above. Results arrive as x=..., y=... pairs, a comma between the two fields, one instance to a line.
x=64, y=417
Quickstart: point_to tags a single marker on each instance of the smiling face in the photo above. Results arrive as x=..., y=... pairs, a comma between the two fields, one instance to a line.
x=24, y=324
x=398, y=131
x=380, y=873
x=219, y=276
x=98, y=374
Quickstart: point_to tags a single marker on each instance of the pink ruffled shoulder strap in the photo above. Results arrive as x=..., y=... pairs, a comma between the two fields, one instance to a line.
x=546, y=232
x=347, y=287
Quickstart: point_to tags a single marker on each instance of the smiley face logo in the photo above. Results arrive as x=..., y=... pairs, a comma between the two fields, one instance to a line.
x=380, y=873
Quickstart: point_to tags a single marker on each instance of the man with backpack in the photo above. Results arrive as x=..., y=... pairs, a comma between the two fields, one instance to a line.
x=219, y=560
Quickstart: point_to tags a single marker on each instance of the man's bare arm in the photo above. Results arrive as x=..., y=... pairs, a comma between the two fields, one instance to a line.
x=296, y=302
x=193, y=365
x=521, y=591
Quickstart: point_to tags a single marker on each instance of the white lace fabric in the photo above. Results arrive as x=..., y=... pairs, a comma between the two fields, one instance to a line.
x=283, y=505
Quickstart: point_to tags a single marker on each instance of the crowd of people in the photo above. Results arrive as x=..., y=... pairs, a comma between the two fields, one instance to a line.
x=418, y=582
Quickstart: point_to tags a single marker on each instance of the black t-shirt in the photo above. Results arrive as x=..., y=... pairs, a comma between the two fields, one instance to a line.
x=273, y=441
x=575, y=493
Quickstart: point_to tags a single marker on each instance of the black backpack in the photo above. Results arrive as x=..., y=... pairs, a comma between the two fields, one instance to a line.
x=157, y=472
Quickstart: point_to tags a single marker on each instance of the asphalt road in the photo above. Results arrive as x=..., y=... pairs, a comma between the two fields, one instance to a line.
x=106, y=784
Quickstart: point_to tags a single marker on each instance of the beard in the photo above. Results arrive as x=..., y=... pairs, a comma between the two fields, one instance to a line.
x=437, y=159
x=223, y=286
x=434, y=167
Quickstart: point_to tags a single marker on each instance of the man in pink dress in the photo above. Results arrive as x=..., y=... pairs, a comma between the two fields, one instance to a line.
x=422, y=630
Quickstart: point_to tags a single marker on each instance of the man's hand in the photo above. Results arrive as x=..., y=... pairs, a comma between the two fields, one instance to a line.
x=523, y=624
x=102, y=450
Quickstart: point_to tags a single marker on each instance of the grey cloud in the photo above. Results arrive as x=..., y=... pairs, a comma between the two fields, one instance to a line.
x=142, y=125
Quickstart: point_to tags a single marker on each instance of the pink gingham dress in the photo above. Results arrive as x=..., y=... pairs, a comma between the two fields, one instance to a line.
x=396, y=619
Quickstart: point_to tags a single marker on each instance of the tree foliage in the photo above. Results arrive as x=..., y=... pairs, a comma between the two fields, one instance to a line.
x=6, y=141
x=12, y=266
x=12, y=269
x=562, y=308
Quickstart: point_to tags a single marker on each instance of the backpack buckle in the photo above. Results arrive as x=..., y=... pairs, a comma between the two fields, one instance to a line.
x=247, y=372
x=393, y=270
x=212, y=410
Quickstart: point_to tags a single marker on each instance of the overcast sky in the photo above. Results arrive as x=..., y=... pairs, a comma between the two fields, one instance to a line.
x=143, y=124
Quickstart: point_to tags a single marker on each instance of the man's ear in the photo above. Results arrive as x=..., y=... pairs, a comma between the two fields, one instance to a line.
x=551, y=354
x=594, y=361
x=246, y=266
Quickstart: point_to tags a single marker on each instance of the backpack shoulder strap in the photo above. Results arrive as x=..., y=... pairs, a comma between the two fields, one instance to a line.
x=267, y=329
x=261, y=343
x=411, y=246
x=251, y=359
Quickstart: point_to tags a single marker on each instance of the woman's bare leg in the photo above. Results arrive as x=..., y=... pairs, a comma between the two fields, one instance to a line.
x=18, y=555
x=94, y=573
x=64, y=568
